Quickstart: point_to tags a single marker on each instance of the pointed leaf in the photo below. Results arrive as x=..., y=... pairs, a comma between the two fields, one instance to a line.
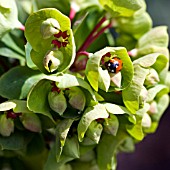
x=8, y=16
x=94, y=131
x=71, y=147
x=105, y=154
x=24, y=77
x=122, y=7
x=90, y=114
x=15, y=141
x=38, y=98
x=131, y=94
x=62, y=130
x=111, y=125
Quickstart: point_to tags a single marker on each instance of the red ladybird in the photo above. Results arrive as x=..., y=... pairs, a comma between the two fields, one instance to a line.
x=114, y=65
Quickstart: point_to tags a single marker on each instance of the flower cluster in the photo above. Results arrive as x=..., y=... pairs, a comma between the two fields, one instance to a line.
x=79, y=95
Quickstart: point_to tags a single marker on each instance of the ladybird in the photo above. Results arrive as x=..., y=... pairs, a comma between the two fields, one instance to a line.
x=114, y=65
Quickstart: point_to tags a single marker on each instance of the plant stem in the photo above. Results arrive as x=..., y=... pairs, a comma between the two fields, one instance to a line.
x=87, y=43
x=99, y=33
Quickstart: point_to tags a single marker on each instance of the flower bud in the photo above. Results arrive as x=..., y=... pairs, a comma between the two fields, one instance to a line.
x=77, y=98
x=146, y=121
x=143, y=95
x=52, y=60
x=153, y=108
x=49, y=27
x=31, y=122
x=152, y=78
x=6, y=125
x=57, y=102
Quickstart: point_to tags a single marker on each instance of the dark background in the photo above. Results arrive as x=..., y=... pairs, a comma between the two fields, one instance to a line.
x=153, y=153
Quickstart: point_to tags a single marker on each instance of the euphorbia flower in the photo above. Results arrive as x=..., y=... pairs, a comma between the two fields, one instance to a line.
x=61, y=39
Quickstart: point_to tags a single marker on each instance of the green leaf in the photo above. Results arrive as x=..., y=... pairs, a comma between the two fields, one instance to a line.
x=132, y=93
x=156, y=91
x=16, y=83
x=52, y=163
x=126, y=40
x=62, y=130
x=82, y=25
x=156, y=40
x=15, y=141
x=93, y=65
x=157, y=61
x=136, y=130
x=68, y=81
x=105, y=154
x=90, y=114
x=29, y=61
x=127, y=145
x=162, y=104
x=8, y=16
x=111, y=125
x=136, y=25
x=64, y=7
x=36, y=145
x=116, y=109
x=10, y=42
x=4, y=51
x=94, y=131
x=122, y=7
x=38, y=98
x=112, y=97
x=21, y=106
x=71, y=148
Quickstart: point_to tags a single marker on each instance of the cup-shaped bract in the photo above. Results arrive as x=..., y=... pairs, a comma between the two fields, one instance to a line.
x=49, y=30
x=103, y=66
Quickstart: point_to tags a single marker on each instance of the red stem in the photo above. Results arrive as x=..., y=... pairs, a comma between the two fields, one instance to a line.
x=99, y=33
x=86, y=43
x=83, y=53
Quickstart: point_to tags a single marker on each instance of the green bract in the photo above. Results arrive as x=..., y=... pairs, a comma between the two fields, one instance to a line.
x=8, y=16
x=43, y=31
x=99, y=78
x=121, y=7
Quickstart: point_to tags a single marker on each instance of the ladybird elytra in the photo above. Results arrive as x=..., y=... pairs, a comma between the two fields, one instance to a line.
x=114, y=65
